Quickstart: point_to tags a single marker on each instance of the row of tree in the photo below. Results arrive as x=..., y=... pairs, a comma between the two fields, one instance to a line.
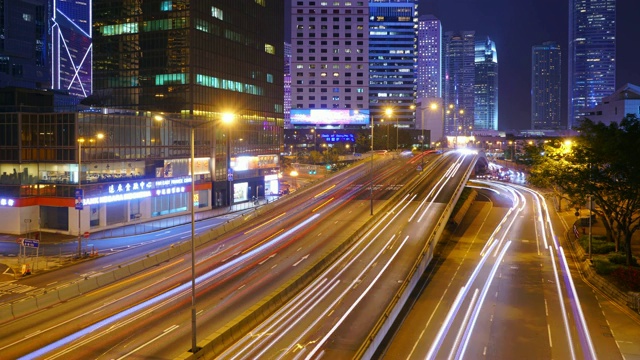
x=603, y=163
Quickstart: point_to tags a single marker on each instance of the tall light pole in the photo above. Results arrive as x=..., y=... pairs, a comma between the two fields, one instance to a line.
x=228, y=118
x=389, y=112
x=79, y=193
x=192, y=127
x=371, y=172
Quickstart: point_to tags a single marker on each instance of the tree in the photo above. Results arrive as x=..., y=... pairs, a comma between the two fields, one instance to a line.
x=603, y=163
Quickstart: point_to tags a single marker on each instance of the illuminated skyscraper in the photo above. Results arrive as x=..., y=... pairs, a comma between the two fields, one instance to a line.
x=392, y=58
x=429, y=70
x=546, y=77
x=72, y=52
x=592, y=55
x=24, y=41
x=486, y=86
x=459, y=80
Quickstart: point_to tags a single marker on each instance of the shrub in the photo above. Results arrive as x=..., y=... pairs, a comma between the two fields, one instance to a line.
x=603, y=267
x=617, y=258
x=627, y=277
x=599, y=244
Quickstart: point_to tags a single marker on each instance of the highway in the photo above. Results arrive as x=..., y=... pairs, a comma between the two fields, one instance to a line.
x=334, y=316
x=146, y=316
x=504, y=289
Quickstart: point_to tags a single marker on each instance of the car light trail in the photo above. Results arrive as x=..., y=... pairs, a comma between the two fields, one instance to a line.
x=564, y=311
x=178, y=291
x=483, y=296
x=265, y=223
x=444, y=329
x=355, y=303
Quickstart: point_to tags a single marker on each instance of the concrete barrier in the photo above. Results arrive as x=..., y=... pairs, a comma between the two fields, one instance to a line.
x=24, y=307
x=136, y=267
x=162, y=256
x=149, y=261
x=121, y=273
x=105, y=279
x=68, y=292
x=90, y=284
x=6, y=313
x=47, y=299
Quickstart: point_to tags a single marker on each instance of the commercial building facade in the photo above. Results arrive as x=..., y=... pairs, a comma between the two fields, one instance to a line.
x=486, y=86
x=546, y=91
x=592, y=55
x=459, y=80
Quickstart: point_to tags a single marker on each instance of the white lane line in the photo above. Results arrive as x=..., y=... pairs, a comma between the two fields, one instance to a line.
x=165, y=332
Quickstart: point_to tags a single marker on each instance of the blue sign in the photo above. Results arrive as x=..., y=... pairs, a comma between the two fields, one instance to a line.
x=30, y=243
x=338, y=138
x=79, y=195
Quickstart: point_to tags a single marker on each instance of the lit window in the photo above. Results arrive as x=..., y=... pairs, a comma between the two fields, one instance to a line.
x=166, y=5
x=269, y=49
x=26, y=17
x=217, y=13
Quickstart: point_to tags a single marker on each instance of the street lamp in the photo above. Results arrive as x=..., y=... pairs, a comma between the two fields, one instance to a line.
x=228, y=118
x=79, y=195
x=192, y=126
x=389, y=112
x=371, y=172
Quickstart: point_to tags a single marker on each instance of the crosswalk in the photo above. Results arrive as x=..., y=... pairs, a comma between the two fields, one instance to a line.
x=11, y=287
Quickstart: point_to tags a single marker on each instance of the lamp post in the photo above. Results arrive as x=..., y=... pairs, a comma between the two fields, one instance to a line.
x=371, y=172
x=389, y=112
x=79, y=194
x=228, y=118
x=192, y=127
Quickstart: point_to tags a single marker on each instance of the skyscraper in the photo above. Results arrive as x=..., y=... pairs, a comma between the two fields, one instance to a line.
x=71, y=53
x=592, y=55
x=287, y=85
x=429, y=71
x=329, y=64
x=546, y=80
x=486, y=86
x=24, y=42
x=197, y=60
x=392, y=59
x=459, y=80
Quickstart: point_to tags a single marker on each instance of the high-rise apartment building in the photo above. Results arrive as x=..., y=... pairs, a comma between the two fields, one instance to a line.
x=592, y=55
x=392, y=59
x=287, y=85
x=72, y=51
x=546, y=80
x=24, y=41
x=429, y=71
x=486, y=86
x=329, y=64
x=459, y=80
x=197, y=60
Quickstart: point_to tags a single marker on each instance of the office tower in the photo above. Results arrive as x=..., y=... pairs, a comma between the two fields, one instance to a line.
x=287, y=85
x=198, y=60
x=486, y=86
x=329, y=64
x=592, y=55
x=546, y=80
x=71, y=52
x=24, y=41
x=392, y=59
x=429, y=71
x=459, y=80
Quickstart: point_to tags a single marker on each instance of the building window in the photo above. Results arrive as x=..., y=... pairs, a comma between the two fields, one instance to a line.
x=166, y=5
x=217, y=13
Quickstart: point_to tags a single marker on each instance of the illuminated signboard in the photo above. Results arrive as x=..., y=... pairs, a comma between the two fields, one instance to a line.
x=139, y=190
x=7, y=202
x=329, y=117
x=332, y=138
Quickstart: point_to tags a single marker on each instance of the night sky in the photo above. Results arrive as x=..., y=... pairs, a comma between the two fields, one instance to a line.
x=517, y=25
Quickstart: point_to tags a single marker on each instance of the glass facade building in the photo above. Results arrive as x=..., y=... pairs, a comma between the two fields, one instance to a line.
x=429, y=71
x=486, y=86
x=546, y=80
x=24, y=44
x=592, y=55
x=393, y=28
x=459, y=80
x=71, y=52
x=196, y=59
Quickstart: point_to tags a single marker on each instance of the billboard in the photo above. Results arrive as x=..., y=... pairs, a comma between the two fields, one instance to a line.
x=329, y=117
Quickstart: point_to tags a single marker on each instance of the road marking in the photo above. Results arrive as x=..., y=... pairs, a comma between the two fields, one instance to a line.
x=299, y=261
x=165, y=332
x=549, y=331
